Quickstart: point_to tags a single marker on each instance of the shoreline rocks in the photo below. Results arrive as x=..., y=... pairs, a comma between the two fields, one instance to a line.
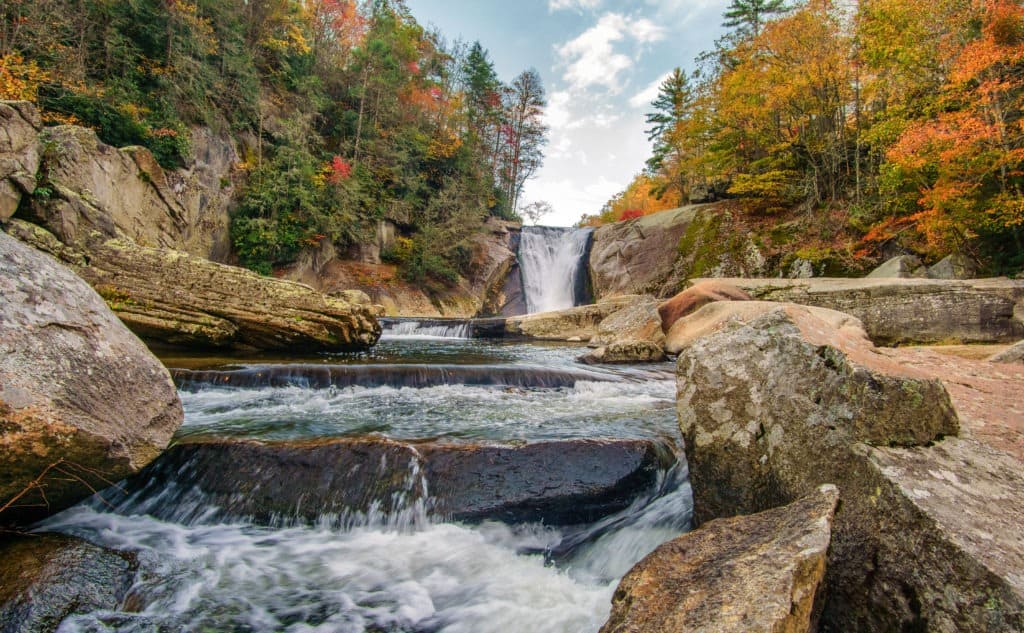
x=773, y=405
x=898, y=311
x=83, y=403
x=753, y=573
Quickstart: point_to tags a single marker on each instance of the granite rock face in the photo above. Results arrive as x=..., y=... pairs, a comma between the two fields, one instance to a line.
x=83, y=403
x=773, y=405
x=757, y=573
x=19, y=153
x=1015, y=354
x=630, y=335
x=910, y=310
x=125, y=193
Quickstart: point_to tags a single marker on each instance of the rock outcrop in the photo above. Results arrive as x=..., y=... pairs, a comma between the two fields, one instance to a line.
x=171, y=298
x=909, y=310
x=927, y=538
x=48, y=577
x=92, y=187
x=903, y=266
x=696, y=297
x=956, y=266
x=577, y=324
x=19, y=153
x=82, y=402
x=757, y=573
x=484, y=292
x=558, y=482
x=657, y=253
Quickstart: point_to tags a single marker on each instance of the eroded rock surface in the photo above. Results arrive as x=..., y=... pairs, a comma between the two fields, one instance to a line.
x=172, y=298
x=558, y=482
x=903, y=266
x=775, y=405
x=630, y=335
x=910, y=310
x=1014, y=354
x=83, y=403
x=46, y=578
x=757, y=573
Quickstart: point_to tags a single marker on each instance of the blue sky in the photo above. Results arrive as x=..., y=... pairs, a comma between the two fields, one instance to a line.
x=601, y=62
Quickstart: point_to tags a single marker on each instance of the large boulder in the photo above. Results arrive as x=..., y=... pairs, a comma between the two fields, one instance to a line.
x=758, y=573
x=955, y=266
x=19, y=153
x=124, y=193
x=694, y=298
x=902, y=266
x=773, y=405
x=558, y=482
x=171, y=298
x=83, y=403
x=630, y=335
x=46, y=578
x=898, y=311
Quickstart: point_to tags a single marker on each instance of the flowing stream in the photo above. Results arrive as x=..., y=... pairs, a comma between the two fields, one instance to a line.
x=553, y=264
x=396, y=566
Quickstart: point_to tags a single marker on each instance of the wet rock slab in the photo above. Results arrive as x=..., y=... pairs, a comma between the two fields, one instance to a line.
x=47, y=578
x=560, y=482
x=755, y=573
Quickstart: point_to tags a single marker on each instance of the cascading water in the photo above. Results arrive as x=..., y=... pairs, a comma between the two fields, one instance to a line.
x=424, y=329
x=393, y=563
x=554, y=267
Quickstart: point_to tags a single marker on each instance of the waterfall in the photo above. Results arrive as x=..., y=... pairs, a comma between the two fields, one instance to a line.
x=396, y=328
x=554, y=266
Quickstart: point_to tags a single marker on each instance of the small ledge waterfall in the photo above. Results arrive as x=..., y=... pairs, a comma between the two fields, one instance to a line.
x=553, y=261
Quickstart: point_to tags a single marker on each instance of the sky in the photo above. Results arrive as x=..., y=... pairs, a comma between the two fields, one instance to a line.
x=601, y=62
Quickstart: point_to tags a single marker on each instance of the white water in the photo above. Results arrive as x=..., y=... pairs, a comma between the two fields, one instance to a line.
x=401, y=571
x=553, y=266
x=382, y=575
x=412, y=330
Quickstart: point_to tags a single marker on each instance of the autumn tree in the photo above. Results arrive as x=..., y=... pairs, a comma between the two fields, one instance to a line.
x=524, y=134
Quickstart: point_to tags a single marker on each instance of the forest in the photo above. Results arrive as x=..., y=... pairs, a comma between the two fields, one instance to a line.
x=348, y=113
x=869, y=127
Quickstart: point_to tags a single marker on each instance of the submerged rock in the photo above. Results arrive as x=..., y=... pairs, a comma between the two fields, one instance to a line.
x=559, y=482
x=171, y=298
x=48, y=577
x=83, y=403
x=897, y=311
x=773, y=405
x=757, y=573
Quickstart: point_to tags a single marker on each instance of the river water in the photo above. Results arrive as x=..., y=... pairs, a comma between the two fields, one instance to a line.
x=403, y=570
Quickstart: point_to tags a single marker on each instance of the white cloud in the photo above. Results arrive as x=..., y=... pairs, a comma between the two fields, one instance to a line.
x=591, y=59
x=644, y=98
x=558, y=5
x=557, y=114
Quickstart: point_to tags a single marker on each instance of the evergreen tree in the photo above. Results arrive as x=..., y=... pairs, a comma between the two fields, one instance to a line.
x=749, y=16
x=675, y=96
